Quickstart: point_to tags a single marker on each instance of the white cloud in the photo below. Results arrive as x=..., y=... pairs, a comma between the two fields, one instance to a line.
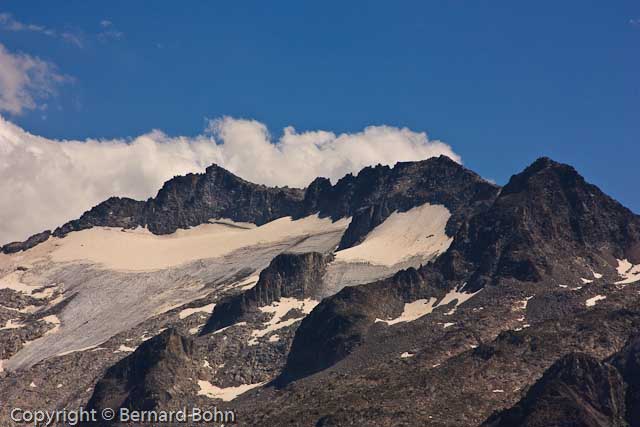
x=25, y=79
x=44, y=183
x=109, y=31
x=9, y=23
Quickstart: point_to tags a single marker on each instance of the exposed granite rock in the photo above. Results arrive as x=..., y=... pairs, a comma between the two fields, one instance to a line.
x=289, y=276
x=191, y=200
x=579, y=390
x=32, y=241
x=547, y=226
x=445, y=380
x=376, y=192
x=453, y=367
x=151, y=376
x=576, y=391
x=627, y=361
x=371, y=196
x=340, y=323
x=113, y=212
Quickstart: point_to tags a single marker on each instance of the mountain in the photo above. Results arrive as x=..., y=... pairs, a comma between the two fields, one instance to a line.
x=414, y=295
x=580, y=390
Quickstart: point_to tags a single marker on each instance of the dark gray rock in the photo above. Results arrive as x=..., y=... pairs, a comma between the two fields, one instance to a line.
x=191, y=200
x=32, y=241
x=288, y=275
x=576, y=391
x=371, y=196
x=540, y=227
x=627, y=361
x=549, y=224
x=150, y=377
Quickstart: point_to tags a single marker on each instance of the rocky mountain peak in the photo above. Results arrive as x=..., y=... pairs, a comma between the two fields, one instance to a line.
x=140, y=380
x=287, y=276
x=544, y=221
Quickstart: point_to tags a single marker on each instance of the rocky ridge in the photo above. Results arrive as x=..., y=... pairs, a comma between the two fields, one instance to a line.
x=536, y=263
x=370, y=197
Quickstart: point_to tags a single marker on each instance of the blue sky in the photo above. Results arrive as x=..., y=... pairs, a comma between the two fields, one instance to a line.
x=501, y=82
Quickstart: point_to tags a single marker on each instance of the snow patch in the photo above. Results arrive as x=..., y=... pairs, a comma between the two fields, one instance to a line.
x=226, y=394
x=189, y=311
x=11, y=325
x=14, y=282
x=412, y=311
x=230, y=326
x=91, y=347
x=124, y=349
x=247, y=283
x=416, y=309
x=56, y=322
x=592, y=301
x=630, y=273
x=525, y=302
x=274, y=338
x=279, y=309
x=418, y=231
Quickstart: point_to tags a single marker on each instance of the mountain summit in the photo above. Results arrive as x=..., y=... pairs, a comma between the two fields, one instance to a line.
x=418, y=294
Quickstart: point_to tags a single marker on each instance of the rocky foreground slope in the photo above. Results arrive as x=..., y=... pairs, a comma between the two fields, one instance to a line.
x=519, y=311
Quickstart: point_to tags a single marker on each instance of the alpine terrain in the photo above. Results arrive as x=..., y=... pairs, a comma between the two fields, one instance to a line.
x=413, y=295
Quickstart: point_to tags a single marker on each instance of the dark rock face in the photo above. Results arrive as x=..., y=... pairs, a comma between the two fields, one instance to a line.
x=627, y=361
x=32, y=241
x=376, y=192
x=547, y=226
x=579, y=390
x=113, y=212
x=288, y=275
x=544, y=219
x=149, y=377
x=191, y=200
x=576, y=391
x=340, y=323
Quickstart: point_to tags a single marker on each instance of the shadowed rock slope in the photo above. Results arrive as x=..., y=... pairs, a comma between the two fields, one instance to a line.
x=288, y=276
x=547, y=227
x=579, y=390
x=152, y=376
x=548, y=224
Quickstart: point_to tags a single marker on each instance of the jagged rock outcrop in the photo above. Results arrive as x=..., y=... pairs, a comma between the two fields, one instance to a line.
x=576, y=391
x=627, y=361
x=340, y=323
x=150, y=377
x=287, y=276
x=370, y=197
x=579, y=390
x=191, y=200
x=376, y=192
x=32, y=241
x=548, y=226
x=548, y=223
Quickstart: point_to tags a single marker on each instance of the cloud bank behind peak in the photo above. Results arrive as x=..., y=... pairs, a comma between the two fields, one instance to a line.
x=45, y=182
